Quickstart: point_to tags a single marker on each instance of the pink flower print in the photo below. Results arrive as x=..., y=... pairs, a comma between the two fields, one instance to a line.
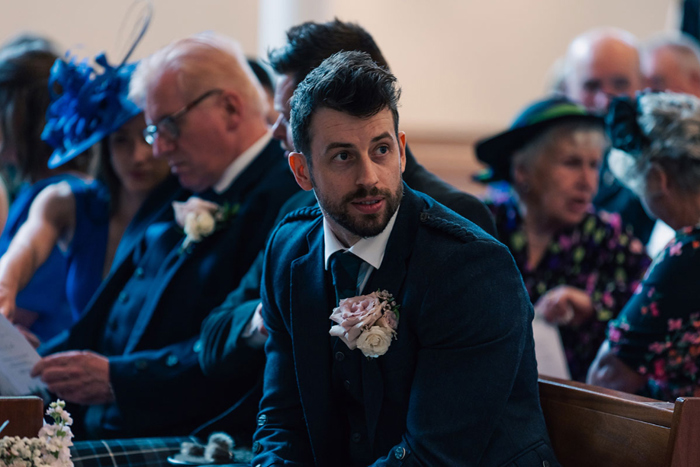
x=642, y=370
x=659, y=369
x=675, y=249
x=644, y=310
x=651, y=292
x=689, y=337
x=636, y=247
x=614, y=335
x=675, y=324
x=625, y=326
x=608, y=300
x=565, y=243
x=658, y=347
x=696, y=244
x=654, y=309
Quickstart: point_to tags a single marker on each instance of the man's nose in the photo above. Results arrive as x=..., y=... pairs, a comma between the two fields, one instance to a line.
x=162, y=145
x=279, y=129
x=367, y=172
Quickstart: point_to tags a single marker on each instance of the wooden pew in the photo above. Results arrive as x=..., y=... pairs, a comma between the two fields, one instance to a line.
x=26, y=416
x=593, y=426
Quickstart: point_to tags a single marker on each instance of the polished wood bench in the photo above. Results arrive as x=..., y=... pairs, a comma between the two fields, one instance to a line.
x=26, y=416
x=593, y=426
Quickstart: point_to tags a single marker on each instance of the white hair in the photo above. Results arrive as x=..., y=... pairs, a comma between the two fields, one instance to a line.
x=671, y=122
x=202, y=62
x=682, y=44
x=582, y=44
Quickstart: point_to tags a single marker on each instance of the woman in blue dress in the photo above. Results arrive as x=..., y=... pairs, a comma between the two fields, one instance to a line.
x=79, y=214
x=25, y=68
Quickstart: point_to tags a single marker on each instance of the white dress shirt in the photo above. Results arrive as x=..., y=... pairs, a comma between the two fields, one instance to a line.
x=369, y=249
x=240, y=163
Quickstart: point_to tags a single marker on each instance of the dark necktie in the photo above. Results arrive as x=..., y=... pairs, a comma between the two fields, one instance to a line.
x=345, y=268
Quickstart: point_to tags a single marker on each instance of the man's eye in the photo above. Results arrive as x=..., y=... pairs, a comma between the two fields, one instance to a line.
x=342, y=156
x=383, y=150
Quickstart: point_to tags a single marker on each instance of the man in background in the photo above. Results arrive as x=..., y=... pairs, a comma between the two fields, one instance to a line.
x=599, y=65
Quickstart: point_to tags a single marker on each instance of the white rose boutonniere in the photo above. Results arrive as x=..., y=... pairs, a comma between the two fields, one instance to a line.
x=199, y=218
x=367, y=322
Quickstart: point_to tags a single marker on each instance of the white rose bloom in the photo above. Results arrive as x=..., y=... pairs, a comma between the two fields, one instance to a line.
x=205, y=223
x=191, y=229
x=374, y=342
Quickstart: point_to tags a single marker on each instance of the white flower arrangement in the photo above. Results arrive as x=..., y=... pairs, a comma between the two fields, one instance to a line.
x=50, y=449
x=199, y=219
x=367, y=322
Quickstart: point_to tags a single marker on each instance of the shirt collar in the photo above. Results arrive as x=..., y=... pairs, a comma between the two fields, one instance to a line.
x=239, y=164
x=370, y=249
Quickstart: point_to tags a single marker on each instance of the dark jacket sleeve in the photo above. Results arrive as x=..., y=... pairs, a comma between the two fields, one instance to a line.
x=468, y=332
x=284, y=436
x=223, y=348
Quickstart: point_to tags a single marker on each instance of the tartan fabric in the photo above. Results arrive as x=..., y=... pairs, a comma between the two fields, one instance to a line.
x=137, y=452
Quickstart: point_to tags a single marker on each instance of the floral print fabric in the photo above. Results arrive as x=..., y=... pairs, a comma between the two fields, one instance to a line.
x=658, y=332
x=596, y=256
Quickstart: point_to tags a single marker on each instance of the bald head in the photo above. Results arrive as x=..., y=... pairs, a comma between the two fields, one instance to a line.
x=599, y=65
x=671, y=62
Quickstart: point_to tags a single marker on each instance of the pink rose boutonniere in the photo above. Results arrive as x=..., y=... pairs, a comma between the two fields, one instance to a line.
x=367, y=322
x=199, y=218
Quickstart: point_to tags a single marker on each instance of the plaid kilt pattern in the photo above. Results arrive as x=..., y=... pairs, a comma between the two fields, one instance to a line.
x=137, y=452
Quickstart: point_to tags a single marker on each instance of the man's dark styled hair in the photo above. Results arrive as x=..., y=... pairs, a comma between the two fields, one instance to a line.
x=309, y=44
x=349, y=82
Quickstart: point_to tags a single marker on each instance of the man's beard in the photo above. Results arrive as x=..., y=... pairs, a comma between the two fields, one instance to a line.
x=362, y=225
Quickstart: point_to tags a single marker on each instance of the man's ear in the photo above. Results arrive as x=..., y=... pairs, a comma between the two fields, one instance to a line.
x=402, y=149
x=232, y=109
x=300, y=169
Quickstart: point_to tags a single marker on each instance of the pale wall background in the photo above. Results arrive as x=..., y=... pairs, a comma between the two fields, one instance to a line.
x=465, y=66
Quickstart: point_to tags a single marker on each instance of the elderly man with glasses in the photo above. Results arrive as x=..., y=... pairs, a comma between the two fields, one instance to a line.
x=131, y=363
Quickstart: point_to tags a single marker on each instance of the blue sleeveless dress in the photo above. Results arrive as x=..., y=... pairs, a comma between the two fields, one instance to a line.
x=62, y=286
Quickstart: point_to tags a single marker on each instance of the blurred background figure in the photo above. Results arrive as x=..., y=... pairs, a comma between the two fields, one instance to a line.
x=84, y=217
x=599, y=65
x=268, y=86
x=579, y=266
x=25, y=67
x=653, y=347
x=671, y=62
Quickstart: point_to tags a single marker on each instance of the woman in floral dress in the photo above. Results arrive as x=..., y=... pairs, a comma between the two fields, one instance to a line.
x=653, y=347
x=579, y=267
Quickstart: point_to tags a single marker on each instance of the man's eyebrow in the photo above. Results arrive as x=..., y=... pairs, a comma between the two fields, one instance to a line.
x=337, y=145
x=386, y=134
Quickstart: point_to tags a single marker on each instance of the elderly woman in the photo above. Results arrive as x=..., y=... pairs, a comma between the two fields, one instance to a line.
x=579, y=267
x=653, y=347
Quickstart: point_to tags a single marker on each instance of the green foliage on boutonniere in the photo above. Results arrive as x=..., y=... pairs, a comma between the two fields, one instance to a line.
x=199, y=219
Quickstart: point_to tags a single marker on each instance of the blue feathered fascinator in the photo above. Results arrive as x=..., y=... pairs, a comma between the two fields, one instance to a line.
x=86, y=105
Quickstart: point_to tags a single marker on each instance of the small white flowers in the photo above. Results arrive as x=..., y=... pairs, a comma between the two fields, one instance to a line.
x=199, y=218
x=367, y=322
x=50, y=449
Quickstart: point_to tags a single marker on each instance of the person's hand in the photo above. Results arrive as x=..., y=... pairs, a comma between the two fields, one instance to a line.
x=565, y=305
x=30, y=336
x=7, y=303
x=258, y=321
x=81, y=377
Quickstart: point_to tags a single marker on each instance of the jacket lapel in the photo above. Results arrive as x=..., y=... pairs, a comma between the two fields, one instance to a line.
x=311, y=342
x=236, y=193
x=390, y=277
